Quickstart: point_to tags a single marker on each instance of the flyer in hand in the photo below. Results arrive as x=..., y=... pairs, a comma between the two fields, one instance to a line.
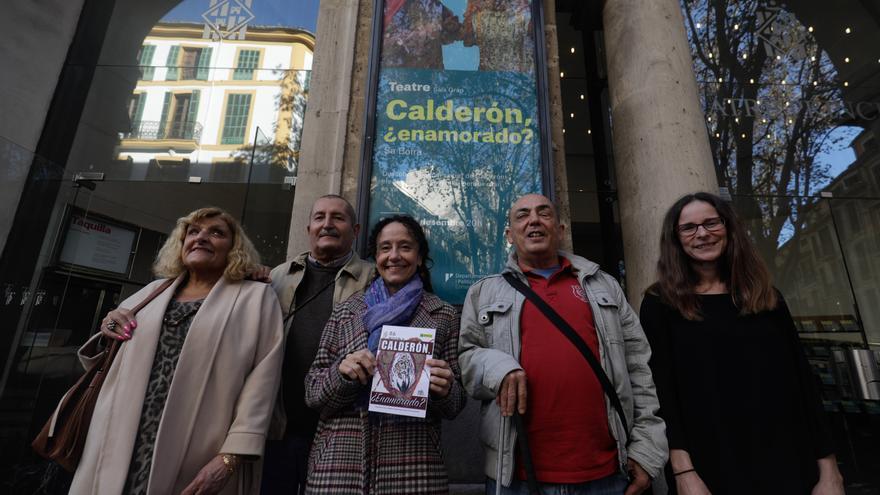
x=402, y=379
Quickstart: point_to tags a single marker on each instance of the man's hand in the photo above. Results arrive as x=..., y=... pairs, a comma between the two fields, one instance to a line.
x=359, y=365
x=640, y=481
x=260, y=273
x=441, y=377
x=512, y=395
x=210, y=480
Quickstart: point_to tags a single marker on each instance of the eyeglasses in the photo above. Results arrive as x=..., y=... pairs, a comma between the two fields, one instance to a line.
x=690, y=229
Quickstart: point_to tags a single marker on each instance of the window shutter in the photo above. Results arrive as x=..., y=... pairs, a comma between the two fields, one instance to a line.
x=235, y=124
x=139, y=113
x=146, y=62
x=247, y=62
x=163, y=122
x=204, y=64
x=171, y=63
x=193, y=115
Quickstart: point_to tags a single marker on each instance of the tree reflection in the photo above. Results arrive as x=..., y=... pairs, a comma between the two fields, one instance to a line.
x=770, y=97
x=467, y=186
x=282, y=153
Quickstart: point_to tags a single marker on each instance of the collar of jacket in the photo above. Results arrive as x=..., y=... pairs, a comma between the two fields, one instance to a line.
x=431, y=302
x=353, y=267
x=583, y=267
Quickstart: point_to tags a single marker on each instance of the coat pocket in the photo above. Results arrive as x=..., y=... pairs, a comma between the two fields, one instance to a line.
x=496, y=320
x=609, y=317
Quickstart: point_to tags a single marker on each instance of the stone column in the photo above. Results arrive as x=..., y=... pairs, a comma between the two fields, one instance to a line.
x=661, y=145
x=324, y=127
x=557, y=136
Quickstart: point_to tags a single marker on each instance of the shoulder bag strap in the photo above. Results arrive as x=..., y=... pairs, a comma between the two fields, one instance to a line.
x=575, y=339
x=164, y=285
x=292, y=310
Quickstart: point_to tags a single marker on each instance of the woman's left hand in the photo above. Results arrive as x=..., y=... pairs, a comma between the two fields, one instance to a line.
x=441, y=377
x=260, y=273
x=210, y=480
x=828, y=487
x=830, y=480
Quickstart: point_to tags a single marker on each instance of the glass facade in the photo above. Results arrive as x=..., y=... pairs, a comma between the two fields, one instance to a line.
x=586, y=127
x=201, y=105
x=789, y=97
x=792, y=130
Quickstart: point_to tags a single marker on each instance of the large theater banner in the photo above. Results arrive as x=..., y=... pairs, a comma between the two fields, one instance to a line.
x=457, y=132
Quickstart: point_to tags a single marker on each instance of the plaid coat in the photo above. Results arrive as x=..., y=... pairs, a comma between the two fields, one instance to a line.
x=355, y=452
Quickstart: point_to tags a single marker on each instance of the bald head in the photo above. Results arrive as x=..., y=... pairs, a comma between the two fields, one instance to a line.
x=529, y=201
x=535, y=231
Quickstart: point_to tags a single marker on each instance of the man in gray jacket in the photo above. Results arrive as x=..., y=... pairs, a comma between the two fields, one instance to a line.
x=513, y=358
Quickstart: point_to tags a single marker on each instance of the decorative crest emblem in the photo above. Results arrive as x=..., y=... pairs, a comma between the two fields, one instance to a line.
x=780, y=32
x=227, y=19
x=579, y=293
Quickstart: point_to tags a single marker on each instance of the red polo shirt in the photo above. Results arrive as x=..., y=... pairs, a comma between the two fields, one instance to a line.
x=566, y=417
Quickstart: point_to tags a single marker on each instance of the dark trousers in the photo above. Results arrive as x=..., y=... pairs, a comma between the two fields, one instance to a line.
x=612, y=485
x=285, y=466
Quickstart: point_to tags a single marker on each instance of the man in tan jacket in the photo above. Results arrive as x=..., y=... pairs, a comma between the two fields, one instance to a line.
x=308, y=288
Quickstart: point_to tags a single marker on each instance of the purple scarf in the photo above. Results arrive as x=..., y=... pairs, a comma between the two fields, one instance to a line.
x=386, y=309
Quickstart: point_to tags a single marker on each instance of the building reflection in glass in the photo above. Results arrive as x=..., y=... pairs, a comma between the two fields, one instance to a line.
x=200, y=101
x=790, y=96
x=788, y=126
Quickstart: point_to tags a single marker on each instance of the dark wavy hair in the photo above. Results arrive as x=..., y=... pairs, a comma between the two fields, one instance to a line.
x=740, y=267
x=417, y=233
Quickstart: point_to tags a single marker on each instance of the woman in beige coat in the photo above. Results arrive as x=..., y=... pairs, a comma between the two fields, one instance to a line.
x=187, y=401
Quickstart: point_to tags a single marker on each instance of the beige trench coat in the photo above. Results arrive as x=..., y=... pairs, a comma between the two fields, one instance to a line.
x=220, y=399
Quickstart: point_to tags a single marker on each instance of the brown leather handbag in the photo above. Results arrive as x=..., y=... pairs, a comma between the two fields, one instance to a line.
x=63, y=437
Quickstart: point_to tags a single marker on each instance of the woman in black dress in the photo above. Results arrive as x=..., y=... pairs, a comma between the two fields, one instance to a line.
x=742, y=410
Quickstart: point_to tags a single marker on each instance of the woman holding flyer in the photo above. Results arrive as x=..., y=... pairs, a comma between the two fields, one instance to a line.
x=356, y=449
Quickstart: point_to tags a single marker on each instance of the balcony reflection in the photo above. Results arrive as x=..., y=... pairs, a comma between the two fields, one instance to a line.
x=149, y=130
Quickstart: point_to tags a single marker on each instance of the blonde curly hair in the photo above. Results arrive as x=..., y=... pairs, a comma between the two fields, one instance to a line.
x=241, y=260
